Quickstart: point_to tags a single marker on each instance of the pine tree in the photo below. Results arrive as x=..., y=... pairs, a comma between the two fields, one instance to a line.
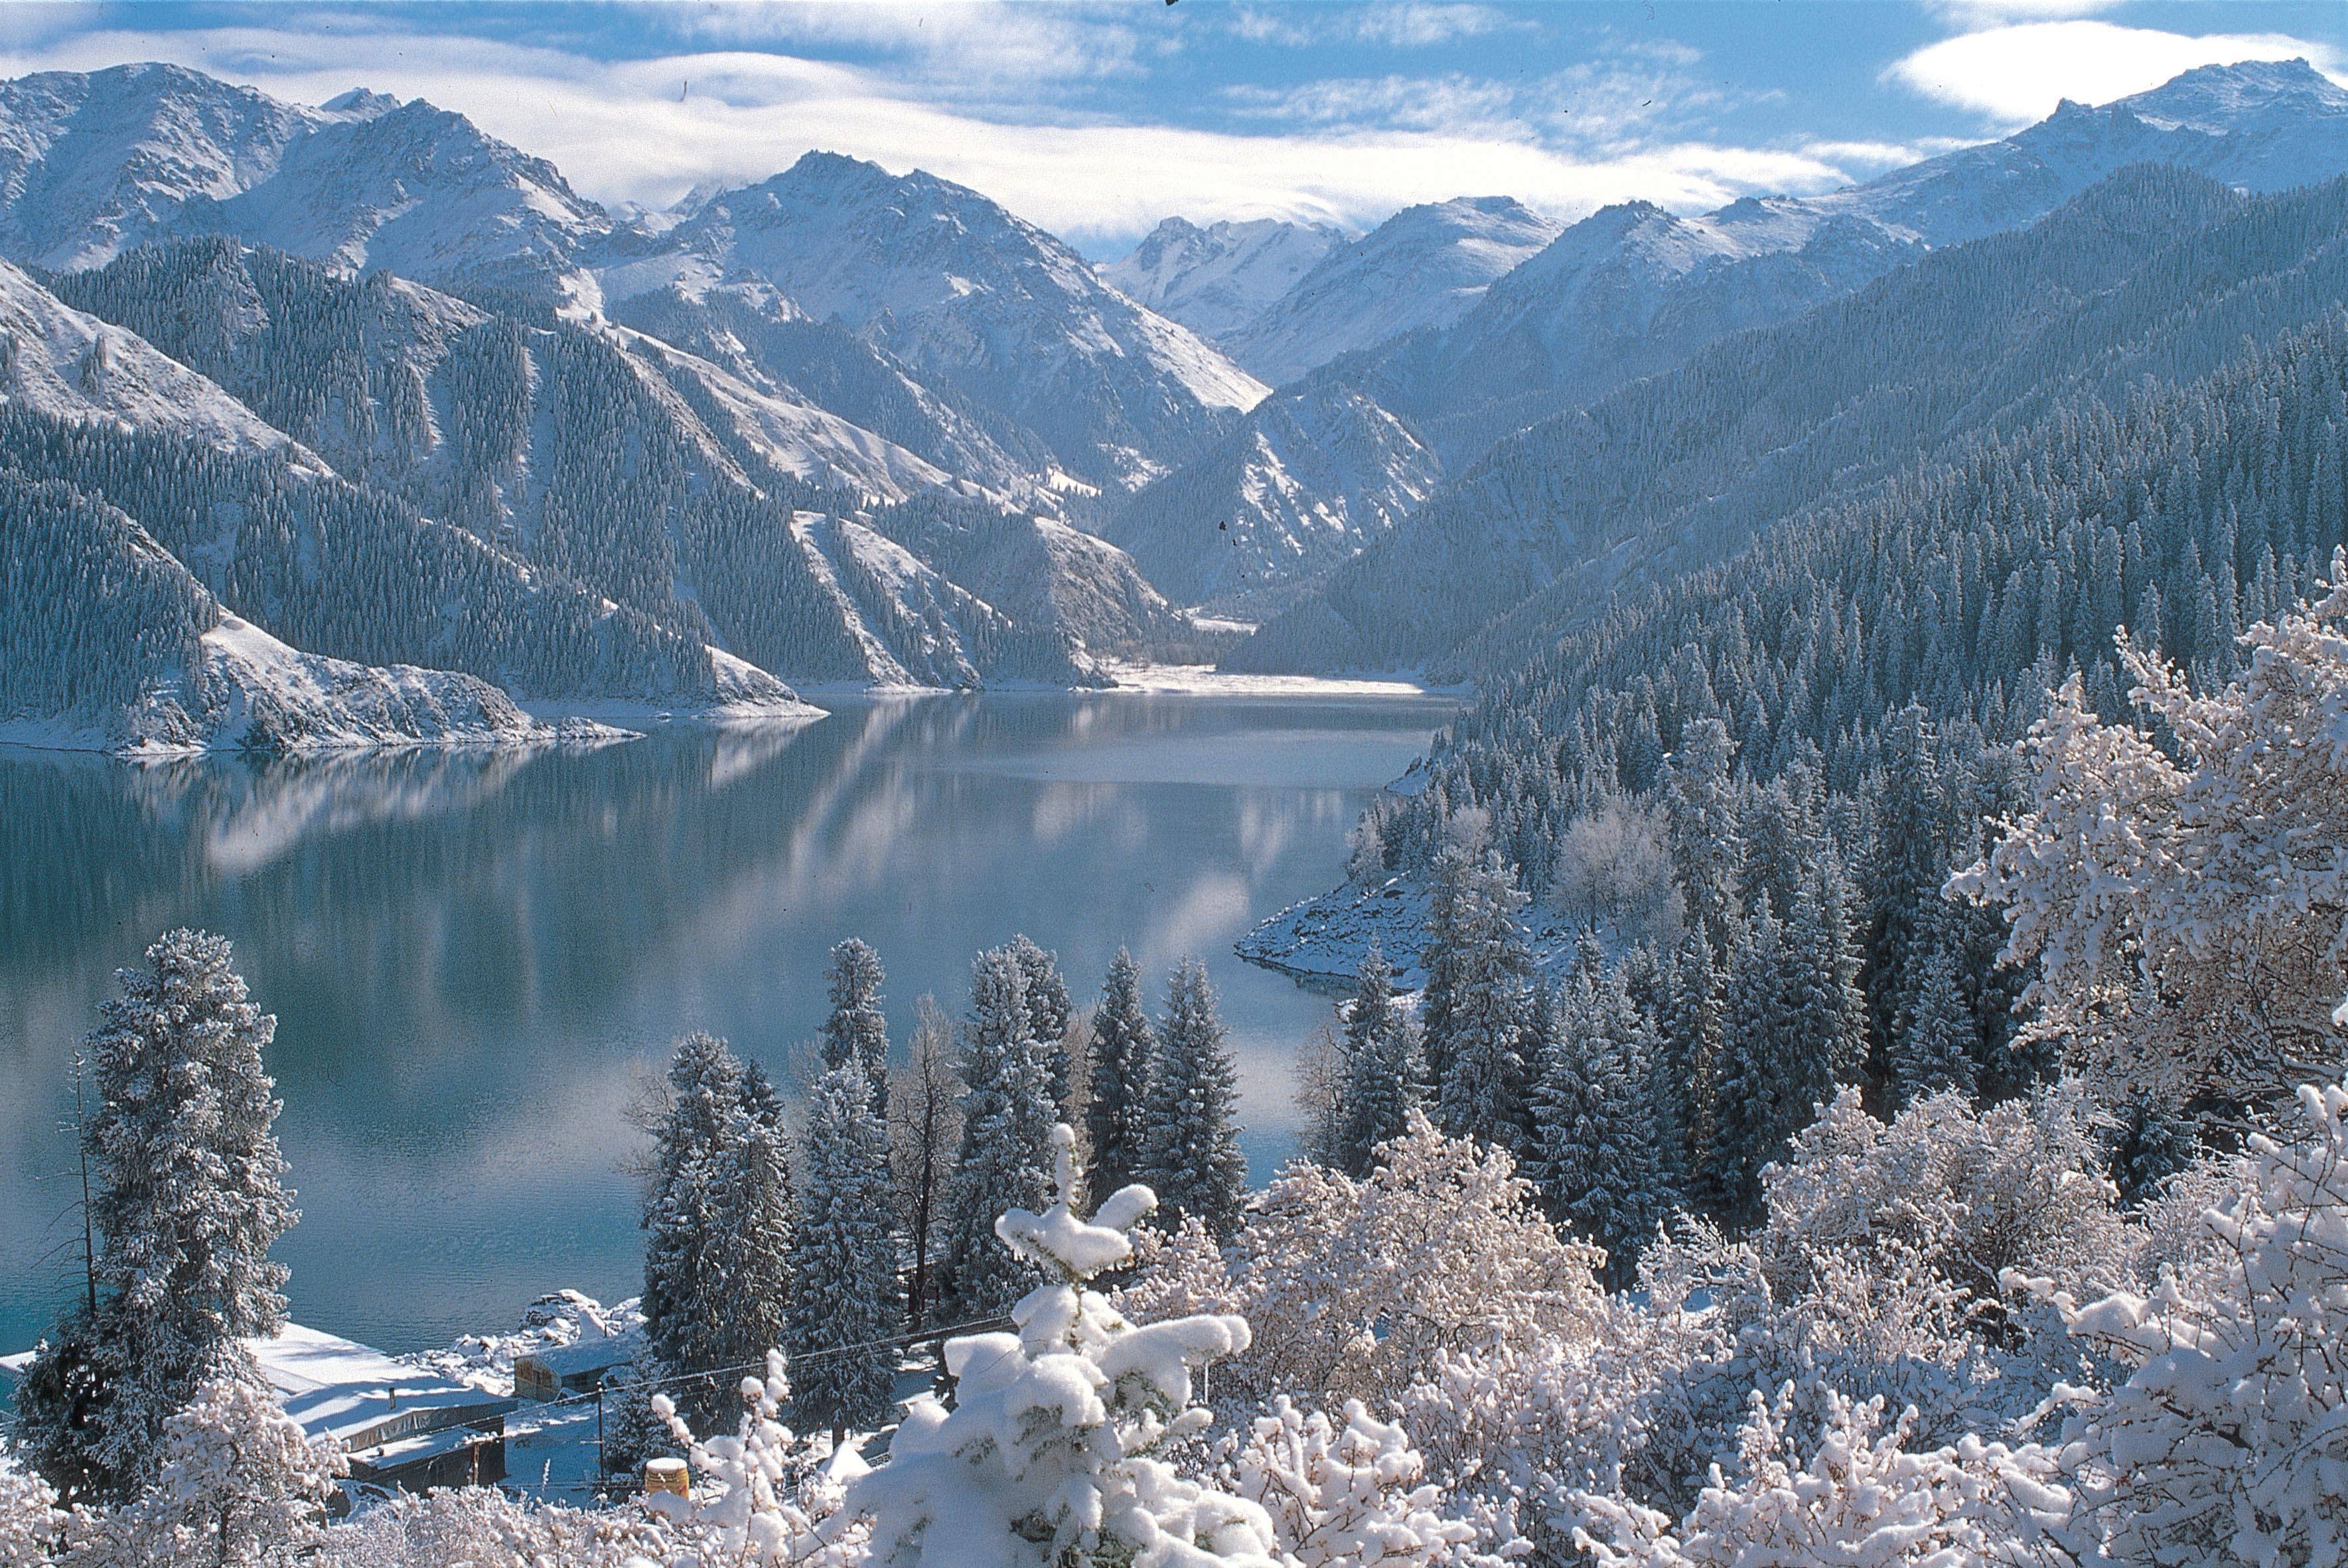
x=189, y=1199
x=1692, y=1032
x=1707, y=840
x=1189, y=1148
x=719, y=1218
x=1005, y=1158
x=1821, y=1040
x=845, y=1302
x=1381, y=1077
x=1594, y=1151
x=1486, y=962
x=855, y=1030
x=1749, y=1124
x=1934, y=1043
x=1120, y=1077
x=1906, y=867
x=1049, y=1011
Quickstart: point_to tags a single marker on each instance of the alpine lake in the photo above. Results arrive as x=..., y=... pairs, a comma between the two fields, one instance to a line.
x=475, y=959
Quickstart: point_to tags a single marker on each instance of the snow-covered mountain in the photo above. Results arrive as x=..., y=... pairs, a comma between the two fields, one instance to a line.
x=92, y=164
x=1425, y=266
x=1218, y=280
x=1317, y=471
x=967, y=295
x=1632, y=289
x=116, y=647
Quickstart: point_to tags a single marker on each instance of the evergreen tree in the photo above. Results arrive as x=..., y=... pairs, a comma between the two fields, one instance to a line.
x=1484, y=955
x=1048, y=1012
x=1821, y=1041
x=856, y=1030
x=1749, y=1121
x=1005, y=1158
x=1690, y=1016
x=1907, y=865
x=1120, y=1077
x=1189, y=1148
x=718, y=1215
x=189, y=1198
x=1934, y=1043
x=1381, y=1078
x=845, y=1301
x=1707, y=841
x=1594, y=1151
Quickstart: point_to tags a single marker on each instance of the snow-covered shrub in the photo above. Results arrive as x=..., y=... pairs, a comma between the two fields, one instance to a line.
x=2228, y=1440
x=485, y=1528
x=759, y=1496
x=2187, y=914
x=238, y=1484
x=1354, y=1288
x=1349, y=1496
x=29, y=1520
x=1865, y=1498
x=1047, y=1454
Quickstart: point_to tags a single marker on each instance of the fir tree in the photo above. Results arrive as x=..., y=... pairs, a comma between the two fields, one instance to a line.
x=1482, y=953
x=1382, y=1075
x=1595, y=1154
x=1707, y=840
x=845, y=1302
x=1750, y=1121
x=1934, y=1043
x=856, y=1030
x=1692, y=1033
x=719, y=1218
x=189, y=1199
x=1120, y=1077
x=1005, y=1158
x=1904, y=873
x=1189, y=1148
x=1048, y=1012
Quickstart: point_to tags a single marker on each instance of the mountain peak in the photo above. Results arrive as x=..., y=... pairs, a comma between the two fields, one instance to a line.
x=361, y=103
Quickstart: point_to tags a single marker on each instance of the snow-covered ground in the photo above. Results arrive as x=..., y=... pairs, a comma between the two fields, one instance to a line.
x=1205, y=680
x=1322, y=941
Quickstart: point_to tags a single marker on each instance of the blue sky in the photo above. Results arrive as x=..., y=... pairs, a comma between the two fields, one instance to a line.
x=1096, y=119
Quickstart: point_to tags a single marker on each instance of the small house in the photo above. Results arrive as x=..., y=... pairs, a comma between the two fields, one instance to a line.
x=551, y=1371
x=400, y=1426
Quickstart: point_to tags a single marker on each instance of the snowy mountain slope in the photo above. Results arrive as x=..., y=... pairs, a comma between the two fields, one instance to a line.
x=2154, y=273
x=1425, y=266
x=1042, y=574
x=1317, y=471
x=966, y=294
x=59, y=361
x=763, y=340
x=1633, y=289
x=123, y=651
x=91, y=164
x=910, y=627
x=1219, y=279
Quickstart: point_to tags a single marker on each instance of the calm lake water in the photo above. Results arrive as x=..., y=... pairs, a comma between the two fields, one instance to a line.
x=472, y=958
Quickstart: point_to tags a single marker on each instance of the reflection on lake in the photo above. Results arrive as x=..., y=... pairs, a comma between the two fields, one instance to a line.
x=470, y=957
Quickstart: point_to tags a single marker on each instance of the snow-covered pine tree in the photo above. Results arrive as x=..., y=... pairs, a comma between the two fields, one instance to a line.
x=1004, y=1160
x=1691, y=1033
x=1906, y=865
x=1934, y=1042
x=1048, y=1456
x=1822, y=1041
x=924, y=1130
x=1748, y=1120
x=1047, y=1011
x=845, y=1301
x=1594, y=1151
x=1456, y=859
x=1189, y=1147
x=1382, y=1075
x=1707, y=842
x=189, y=1198
x=1485, y=958
x=717, y=1214
x=855, y=1030
x=1120, y=1077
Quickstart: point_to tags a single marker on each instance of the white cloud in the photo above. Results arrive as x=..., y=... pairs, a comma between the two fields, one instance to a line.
x=1394, y=24
x=646, y=130
x=2014, y=75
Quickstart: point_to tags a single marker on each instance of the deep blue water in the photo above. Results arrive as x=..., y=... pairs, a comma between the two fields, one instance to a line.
x=472, y=959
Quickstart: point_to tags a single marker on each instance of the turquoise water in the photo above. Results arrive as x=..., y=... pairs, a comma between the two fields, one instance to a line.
x=472, y=959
